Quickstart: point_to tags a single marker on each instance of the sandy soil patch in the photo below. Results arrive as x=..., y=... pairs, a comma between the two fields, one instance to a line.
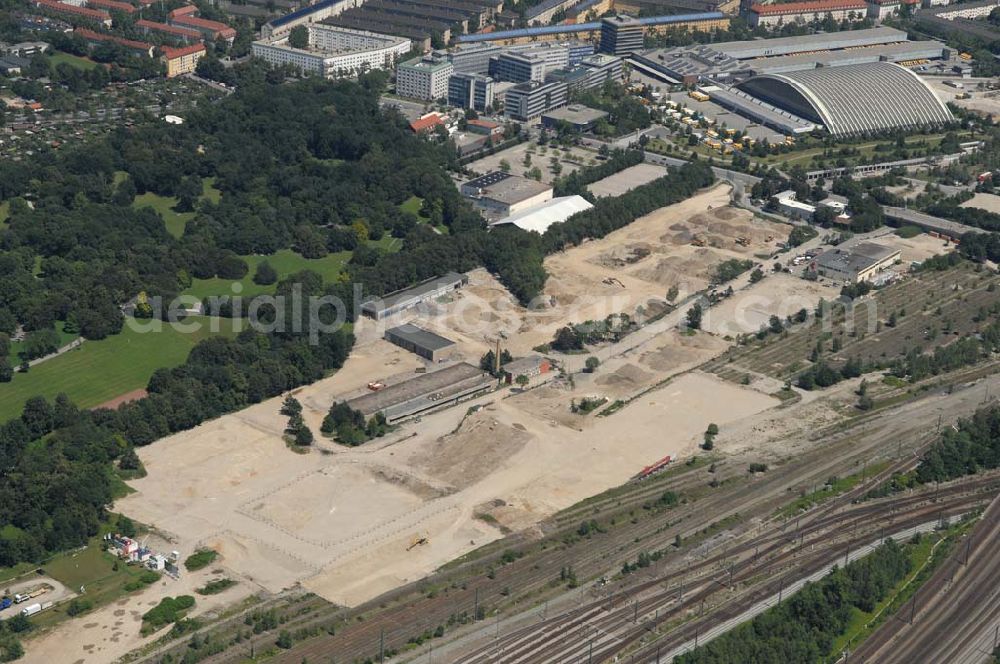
x=626, y=180
x=112, y=631
x=988, y=202
x=918, y=248
x=779, y=295
x=134, y=395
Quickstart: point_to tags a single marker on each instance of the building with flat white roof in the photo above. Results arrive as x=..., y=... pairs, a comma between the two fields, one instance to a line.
x=424, y=78
x=334, y=52
x=500, y=194
x=538, y=218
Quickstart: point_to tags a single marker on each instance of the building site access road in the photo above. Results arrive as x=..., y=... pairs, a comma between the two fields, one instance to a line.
x=955, y=615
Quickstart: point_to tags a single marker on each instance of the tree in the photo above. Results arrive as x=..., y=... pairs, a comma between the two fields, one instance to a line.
x=298, y=37
x=505, y=166
x=591, y=364
x=188, y=192
x=672, y=293
x=694, y=315
x=756, y=275
x=522, y=381
x=265, y=275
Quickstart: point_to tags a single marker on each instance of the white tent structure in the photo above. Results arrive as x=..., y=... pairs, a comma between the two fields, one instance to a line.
x=539, y=217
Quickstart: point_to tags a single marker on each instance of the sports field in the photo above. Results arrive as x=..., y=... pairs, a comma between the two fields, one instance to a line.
x=99, y=371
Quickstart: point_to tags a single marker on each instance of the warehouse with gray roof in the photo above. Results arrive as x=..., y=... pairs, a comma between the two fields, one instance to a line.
x=394, y=303
x=855, y=99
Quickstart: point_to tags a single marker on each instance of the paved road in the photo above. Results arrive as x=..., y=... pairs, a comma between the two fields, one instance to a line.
x=76, y=343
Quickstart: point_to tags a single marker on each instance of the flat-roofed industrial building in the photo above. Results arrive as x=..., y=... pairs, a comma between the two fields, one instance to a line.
x=394, y=303
x=419, y=341
x=425, y=392
x=861, y=262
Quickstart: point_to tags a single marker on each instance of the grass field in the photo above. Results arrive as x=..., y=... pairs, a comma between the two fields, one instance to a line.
x=175, y=221
x=285, y=262
x=64, y=338
x=99, y=371
x=58, y=57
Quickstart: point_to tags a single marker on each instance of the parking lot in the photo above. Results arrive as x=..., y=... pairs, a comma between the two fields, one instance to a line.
x=730, y=119
x=54, y=592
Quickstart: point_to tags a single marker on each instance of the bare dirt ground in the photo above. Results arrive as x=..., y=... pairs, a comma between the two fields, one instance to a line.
x=112, y=631
x=627, y=270
x=347, y=523
x=134, y=395
x=778, y=295
x=988, y=202
x=627, y=180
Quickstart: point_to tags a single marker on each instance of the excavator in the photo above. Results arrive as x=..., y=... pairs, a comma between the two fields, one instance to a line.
x=417, y=541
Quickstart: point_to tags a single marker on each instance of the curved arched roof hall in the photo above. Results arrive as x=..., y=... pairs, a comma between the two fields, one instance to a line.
x=854, y=99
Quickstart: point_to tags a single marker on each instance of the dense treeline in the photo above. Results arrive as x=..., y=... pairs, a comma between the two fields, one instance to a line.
x=577, y=181
x=980, y=246
x=950, y=208
x=802, y=629
x=972, y=446
x=58, y=462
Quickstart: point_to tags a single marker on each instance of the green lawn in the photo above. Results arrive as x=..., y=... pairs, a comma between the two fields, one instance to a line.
x=64, y=338
x=285, y=262
x=58, y=57
x=99, y=371
x=175, y=221
x=413, y=205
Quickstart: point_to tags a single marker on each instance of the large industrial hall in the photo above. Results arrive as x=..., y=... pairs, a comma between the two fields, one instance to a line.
x=855, y=99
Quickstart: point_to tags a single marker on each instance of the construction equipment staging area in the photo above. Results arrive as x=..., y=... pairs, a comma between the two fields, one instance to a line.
x=446, y=386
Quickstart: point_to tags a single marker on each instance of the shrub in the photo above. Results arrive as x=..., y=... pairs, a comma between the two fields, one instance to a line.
x=200, y=559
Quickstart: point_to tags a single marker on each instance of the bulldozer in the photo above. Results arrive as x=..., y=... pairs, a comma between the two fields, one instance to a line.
x=698, y=240
x=743, y=241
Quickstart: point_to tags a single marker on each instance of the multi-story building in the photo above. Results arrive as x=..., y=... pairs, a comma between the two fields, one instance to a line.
x=111, y=6
x=424, y=78
x=807, y=12
x=518, y=67
x=601, y=67
x=527, y=101
x=880, y=9
x=95, y=38
x=182, y=60
x=75, y=15
x=621, y=35
x=173, y=32
x=499, y=194
x=210, y=29
x=334, y=52
x=471, y=91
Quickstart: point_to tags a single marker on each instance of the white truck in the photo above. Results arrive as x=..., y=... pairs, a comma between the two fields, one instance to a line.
x=31, y=609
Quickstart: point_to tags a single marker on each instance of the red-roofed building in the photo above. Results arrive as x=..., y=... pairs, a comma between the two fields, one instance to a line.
x=111, y=6
x=807, y=12
x=94, y=38
x=186, y=10
x=210, y=29
x=183, y=35
x=75, y=15
x=491, y=129
x=182, y=60
x=426, y=123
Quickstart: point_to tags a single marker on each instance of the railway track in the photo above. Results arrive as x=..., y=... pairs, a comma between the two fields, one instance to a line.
x=954, y=616
x=458, y=588
x=616, y=623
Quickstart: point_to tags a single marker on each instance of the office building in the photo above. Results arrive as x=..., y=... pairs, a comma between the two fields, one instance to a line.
x=473, y=91
x=527, y=101
x=518, y=67
x=424, y=78
x=621, y=35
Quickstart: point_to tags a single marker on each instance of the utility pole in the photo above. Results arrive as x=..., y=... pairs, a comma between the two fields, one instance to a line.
x=475, y=608
x=635, y=612
x=968, y=545
x=590, y=655
x=781, y=587
x=913, y=607
x=381, y=645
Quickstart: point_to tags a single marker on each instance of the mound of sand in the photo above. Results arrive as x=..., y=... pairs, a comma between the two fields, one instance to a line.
x=478, y=448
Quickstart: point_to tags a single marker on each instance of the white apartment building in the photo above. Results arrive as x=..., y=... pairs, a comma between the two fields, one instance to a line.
x=335, y=52
x=424, y=78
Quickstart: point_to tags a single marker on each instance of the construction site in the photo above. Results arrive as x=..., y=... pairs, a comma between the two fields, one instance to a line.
x=469, y=460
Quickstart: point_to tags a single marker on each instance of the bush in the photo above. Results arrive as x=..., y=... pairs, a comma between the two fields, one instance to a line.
x=215, y=587
x=170, y=609
x=78, y=606
x=200, y=559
